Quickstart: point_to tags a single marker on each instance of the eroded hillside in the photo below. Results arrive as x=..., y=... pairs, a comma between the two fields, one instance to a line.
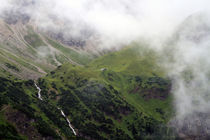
x=29, y=54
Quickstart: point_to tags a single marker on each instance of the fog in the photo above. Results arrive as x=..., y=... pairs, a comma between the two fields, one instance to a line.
x=187, y=63
x=116, y=22
x=179, y=30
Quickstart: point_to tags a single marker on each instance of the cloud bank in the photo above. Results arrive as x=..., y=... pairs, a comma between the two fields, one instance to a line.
x=188, y=64
x=116, y=22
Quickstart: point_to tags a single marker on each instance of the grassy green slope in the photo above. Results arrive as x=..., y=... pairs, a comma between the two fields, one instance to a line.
x=78, y=57
x=23, y=116
x=133, y=59
x=120, y=95
x=134, y=71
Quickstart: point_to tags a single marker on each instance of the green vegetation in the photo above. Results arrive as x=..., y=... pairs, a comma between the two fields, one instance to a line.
x=121, y=95
x=10, y=62
x=19, y=109
x=133, y=59
x=34, y=40
x=19, y=60
x=78, y=57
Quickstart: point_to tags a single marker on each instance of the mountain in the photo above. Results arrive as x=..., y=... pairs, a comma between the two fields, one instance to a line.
x=66, y=73
x=51, y=88
x=105, y=99
x=28, y=53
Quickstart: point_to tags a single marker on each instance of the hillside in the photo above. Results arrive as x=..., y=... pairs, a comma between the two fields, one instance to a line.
x=22, y=116
x=28, y=53
x=103, y=100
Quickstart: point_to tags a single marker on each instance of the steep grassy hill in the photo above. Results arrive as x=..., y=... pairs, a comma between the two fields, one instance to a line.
x=22, y=116
x=135, y=59
x=122, y=95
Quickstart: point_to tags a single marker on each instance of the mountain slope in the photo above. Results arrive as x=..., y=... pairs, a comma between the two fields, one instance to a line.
x=102, y=100
x=29, y=54
x=22, y=116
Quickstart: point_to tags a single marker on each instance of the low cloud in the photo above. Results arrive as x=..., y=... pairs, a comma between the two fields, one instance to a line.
x=116, y=22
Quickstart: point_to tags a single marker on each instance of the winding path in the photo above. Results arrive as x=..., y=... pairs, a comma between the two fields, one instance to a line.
x=62, y=113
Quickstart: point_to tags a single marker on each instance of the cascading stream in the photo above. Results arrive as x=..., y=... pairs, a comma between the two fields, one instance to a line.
x=39, y=91
x=69, y=123
x=62, y=113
